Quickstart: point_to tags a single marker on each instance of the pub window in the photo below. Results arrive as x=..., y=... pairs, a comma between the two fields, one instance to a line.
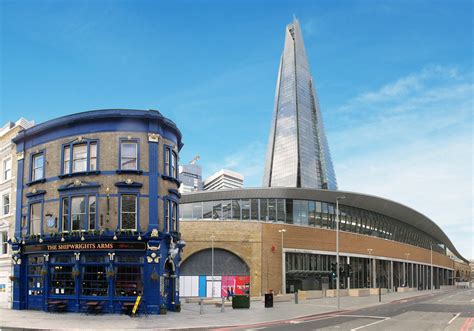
x=37, y=167
x=62, y=281
x=168, y=213
x=6, y=204
x=7, y=169
x=78, y=213
x=65, y=213
x=128, y=212
x=171, y=162
x=129, y=281
x=3, y=242
x=94, y=280
x=92, y=212
x=128, y=155
x=174, y=216
x=35, y=218
x=80, y=157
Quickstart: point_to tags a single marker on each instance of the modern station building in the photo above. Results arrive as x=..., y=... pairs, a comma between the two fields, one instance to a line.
x=282, y=237
x=97, y=212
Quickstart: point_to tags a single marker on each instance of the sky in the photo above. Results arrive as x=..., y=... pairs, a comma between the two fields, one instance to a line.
x=394, y=81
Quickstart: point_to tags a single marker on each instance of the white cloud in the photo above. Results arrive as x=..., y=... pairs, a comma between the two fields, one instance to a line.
x=413, y=145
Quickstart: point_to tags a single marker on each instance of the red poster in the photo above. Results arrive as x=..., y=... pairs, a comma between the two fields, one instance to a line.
x=235, y=285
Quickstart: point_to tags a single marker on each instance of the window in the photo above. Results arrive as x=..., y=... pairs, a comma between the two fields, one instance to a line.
x=80, y=157
x=7, y=169
x=6, y=204
x=129, y=281
x=94, y=280
x=78, y=213
x=128, y=155
x=3, y=242
x=171, y=215
x=92, y=213
x=62, y=281
x=174, y=226
x=35, y=218
x=37, y=169
x=171, y=163
x=65, y=213
x=128, y=212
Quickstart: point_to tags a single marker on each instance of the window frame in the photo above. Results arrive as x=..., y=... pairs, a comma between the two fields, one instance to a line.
x=32, y=166
x=69, y=214
x=70, y=146
x=170, y=162
x=3, y=242
x=136, y=141
x=137, y=214
x=9, y=203
x=7, y=173
x=30, y=204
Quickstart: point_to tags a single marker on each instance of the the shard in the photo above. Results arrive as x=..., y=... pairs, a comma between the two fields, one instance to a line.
x=298, y=152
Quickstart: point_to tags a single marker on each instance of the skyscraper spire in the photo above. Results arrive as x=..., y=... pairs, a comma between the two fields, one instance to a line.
x=298, y=153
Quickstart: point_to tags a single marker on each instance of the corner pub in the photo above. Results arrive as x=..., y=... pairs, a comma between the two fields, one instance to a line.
x=96, y=220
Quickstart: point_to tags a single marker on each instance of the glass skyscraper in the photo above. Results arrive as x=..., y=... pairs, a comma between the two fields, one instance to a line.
x=298, y=152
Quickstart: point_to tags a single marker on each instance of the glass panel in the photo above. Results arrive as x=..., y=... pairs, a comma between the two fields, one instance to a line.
x=226, y=209
x=129, y=156
x=62, y=281
x=217, y=210
x=304, y=212
x=129, y=212
x=78, y=213
x=280, y=210
x=67, y=156
x=174, y=165
x=94, y=280
x=289, y=211
x=207, y=210
x=197, y=210
x=312, y=213
x=129, y=281
x=186, y=211
x=263, y=210
x=79, y=158
x=38, y=167
x=93, y=156
x=65, y=214
x=62, y=259
x=92, y=212
x=245, y=204
x=236, y=209
x=296, y=212
x=254, y=209
x=272, y=210
x=35, y=218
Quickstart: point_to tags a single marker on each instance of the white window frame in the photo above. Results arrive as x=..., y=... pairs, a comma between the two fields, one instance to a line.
x=3, y=242
x=122, y=212
x=9, y=204
x=6, y=172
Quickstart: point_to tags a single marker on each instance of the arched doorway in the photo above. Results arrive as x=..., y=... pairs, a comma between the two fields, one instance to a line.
x=231, y=274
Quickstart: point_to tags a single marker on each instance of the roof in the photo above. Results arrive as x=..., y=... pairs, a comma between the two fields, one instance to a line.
x=358, y=200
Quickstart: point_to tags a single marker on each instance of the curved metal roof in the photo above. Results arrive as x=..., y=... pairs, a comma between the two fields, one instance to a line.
x=358, y=200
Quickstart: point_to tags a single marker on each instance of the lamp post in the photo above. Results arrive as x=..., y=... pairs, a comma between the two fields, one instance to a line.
x=337, y=251
x=283, y=287
x=406, y=269
x=431, y=263
x=212, y=264
x=370, y=250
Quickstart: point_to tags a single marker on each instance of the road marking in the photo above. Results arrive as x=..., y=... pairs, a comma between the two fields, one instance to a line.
x=364, y=326
x=467, y=324
x=452, y=319
x=294, y=322
x=363, y=316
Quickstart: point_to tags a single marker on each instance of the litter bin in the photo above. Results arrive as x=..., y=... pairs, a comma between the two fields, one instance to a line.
x=268, y=300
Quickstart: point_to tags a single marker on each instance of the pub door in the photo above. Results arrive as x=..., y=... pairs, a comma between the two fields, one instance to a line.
x=35, y=282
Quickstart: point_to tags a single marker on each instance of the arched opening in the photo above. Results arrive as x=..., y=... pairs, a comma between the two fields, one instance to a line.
x=231, y=274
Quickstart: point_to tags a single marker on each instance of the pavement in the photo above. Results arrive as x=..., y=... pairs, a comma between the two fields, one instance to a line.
x=394, y=310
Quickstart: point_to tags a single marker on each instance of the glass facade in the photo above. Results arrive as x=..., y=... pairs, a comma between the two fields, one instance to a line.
x=298, y=153
x=310, y=213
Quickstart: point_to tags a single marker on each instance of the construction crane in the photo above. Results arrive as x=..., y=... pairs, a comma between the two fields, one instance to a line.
x=196, y=158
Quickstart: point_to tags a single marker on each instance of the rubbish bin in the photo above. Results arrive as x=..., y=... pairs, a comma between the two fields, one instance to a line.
x=268, y=300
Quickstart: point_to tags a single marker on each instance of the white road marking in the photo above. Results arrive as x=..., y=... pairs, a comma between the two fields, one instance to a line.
x=294, y=322
x=362, y=316
x=452, y=319
x=364, y=326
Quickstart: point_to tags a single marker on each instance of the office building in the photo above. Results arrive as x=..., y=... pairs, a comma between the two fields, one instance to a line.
x=190, y=176
x=224, y=179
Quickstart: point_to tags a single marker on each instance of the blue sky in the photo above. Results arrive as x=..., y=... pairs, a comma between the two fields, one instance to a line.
x=394, y=79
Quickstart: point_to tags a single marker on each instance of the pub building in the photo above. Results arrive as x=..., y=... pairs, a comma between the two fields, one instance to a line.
x=96, y=219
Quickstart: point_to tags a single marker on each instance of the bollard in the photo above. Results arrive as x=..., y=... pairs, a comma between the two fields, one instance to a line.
x=380, y=294
x=201, y=306
x=296, y=297
x=223, y=305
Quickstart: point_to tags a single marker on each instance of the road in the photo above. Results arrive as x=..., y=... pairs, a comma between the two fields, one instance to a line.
x=448, y=310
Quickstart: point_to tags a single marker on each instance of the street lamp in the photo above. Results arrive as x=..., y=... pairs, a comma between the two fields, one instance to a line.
x=370, y=250
x=337, y=251
x=283, y=287
x=212, y=264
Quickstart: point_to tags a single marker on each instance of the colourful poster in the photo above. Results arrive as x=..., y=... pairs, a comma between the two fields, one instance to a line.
x=235, y=285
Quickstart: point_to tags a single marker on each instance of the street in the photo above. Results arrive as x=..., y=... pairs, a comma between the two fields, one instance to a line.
x=450, y=310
